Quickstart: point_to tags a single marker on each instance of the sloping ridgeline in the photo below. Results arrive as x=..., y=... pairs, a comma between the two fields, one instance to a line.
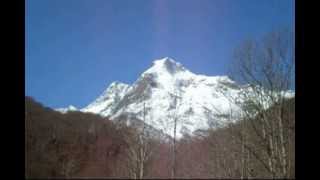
x=74, y=144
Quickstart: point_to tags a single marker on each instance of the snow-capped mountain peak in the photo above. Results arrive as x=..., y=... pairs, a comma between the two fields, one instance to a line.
x=168, y=91
x=165, y=65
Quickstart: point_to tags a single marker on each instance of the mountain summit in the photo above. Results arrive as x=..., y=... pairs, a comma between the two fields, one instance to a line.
x=168, y=91
x=165, y=65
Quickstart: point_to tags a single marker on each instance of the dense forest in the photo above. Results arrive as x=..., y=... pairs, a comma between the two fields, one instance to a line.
x=79, y=144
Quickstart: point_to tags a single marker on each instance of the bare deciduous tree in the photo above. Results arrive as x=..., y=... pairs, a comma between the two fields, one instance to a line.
x=140, y=149
x=267, y=67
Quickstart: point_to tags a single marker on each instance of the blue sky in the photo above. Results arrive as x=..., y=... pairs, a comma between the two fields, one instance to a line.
x=76, y=48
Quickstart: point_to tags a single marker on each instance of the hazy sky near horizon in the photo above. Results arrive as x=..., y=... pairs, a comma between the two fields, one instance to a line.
x=76, y=48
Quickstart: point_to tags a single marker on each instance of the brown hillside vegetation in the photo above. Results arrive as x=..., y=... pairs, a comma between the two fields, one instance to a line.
x=71, y=144
x=79, y=144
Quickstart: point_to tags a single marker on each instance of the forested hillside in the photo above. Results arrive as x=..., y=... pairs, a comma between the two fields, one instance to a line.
x=79, y=144
x=71, y=144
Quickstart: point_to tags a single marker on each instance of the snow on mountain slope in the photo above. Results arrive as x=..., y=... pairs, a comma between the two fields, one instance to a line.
x=168, y=90
x=69, y=108
x=105, y=103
